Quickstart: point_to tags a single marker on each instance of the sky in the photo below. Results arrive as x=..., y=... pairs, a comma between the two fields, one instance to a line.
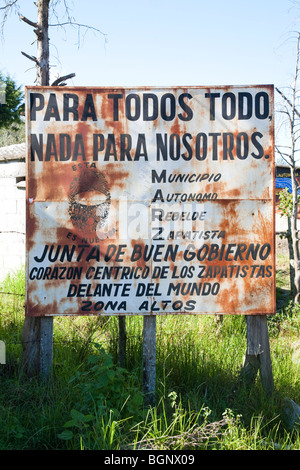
x=160, y=43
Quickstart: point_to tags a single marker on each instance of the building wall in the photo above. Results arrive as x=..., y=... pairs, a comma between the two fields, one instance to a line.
x=12, y=216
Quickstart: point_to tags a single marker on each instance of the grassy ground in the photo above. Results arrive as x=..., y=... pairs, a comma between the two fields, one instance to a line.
x=201, y=403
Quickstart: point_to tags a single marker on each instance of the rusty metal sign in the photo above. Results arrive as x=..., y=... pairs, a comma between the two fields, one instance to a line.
x=150, y=200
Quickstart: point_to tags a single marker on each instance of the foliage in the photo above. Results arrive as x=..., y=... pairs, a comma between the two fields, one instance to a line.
x=91, y=403
x=286, y=202
x=15, y=134
x=13, y=109
x=108, y=396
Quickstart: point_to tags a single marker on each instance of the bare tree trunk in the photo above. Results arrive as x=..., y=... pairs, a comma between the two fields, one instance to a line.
x=294, y=231
x=294, y=219
x=43, y=43
x=290, y=158
x=37, y=335
x=291, y=256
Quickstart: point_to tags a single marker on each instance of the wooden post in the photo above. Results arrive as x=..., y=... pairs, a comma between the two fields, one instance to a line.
x=258, y=355
x=149, y=358
x=46, y=347
x=2, y=353
x=37, y=339
x=122, y=341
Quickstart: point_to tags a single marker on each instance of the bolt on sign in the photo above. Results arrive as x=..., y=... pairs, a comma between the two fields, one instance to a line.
x=150, y=200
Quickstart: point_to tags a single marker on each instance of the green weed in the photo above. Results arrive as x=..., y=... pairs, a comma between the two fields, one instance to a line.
x=90, y=402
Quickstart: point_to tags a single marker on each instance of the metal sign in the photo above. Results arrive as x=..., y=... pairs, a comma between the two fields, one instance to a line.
x=150, y=201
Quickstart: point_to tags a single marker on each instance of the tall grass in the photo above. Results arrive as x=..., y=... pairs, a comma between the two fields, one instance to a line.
x=90, y=402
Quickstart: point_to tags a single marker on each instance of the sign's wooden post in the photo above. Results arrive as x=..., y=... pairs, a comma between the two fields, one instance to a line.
x=37, y=339
x=46, y=346
x=2, y=353
x=149, y=358
x=258, y=357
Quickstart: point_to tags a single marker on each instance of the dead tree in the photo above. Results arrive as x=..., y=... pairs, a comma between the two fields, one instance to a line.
x=288, y=154
x=37, y=335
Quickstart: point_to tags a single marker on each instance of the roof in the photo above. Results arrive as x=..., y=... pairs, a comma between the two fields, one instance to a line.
x=13, y=152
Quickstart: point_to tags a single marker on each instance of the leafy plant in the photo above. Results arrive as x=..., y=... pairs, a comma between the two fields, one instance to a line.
x=286, y=202
x=92, y=403
x=109, y=397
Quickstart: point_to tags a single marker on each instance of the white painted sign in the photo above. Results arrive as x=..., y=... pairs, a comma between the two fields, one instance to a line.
x=150, y=200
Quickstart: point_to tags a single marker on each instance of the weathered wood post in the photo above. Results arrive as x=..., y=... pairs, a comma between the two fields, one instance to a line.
x=258, y=357
x=149, y=358
x=2, y=353
x=37, y=339
x=46, y=346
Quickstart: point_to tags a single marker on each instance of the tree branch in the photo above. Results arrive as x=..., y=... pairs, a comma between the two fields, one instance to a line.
x=61, y=79
x=288, y=101
x=30, y=57
x=26, y=20
x=79, y=25
x=9, y=5
x=283, y=156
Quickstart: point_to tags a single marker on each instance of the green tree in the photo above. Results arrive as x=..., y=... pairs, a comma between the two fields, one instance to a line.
x=12, y=109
